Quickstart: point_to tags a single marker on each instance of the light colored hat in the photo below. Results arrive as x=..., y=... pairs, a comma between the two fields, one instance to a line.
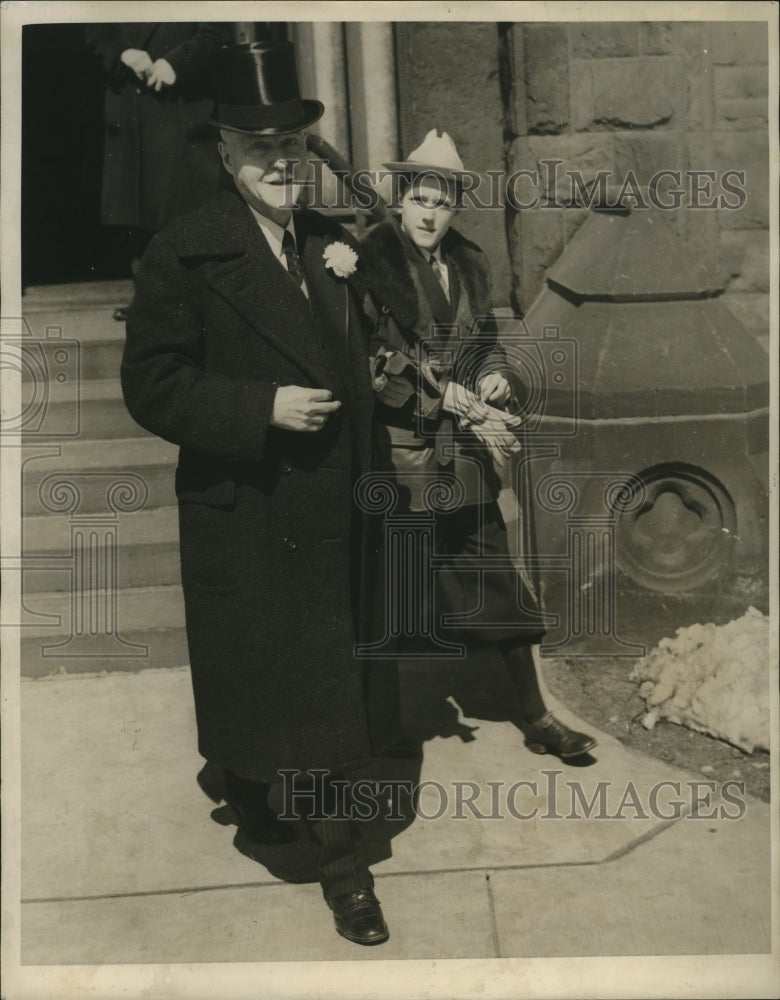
x=436, y=154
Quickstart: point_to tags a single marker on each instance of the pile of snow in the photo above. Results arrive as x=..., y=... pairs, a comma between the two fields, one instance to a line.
x=712, y=678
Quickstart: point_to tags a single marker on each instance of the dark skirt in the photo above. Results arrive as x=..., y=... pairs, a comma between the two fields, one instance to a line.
x=479, y=593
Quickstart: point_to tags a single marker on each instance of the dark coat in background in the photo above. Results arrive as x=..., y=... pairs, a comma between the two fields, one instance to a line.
x=271, y=559
x=159, y=157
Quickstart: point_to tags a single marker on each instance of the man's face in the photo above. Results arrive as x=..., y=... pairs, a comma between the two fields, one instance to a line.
x=267, y=169
x=427, y=209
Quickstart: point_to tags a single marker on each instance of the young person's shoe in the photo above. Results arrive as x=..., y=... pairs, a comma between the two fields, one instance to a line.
x=358, y=917
x=550, y=735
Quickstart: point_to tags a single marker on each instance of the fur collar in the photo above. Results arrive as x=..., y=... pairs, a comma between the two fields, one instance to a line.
x=389, y=272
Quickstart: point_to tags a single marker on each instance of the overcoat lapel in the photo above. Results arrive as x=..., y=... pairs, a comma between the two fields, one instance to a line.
x=245, y=273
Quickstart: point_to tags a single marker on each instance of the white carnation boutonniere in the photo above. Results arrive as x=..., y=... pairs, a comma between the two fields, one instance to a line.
x=341, y=259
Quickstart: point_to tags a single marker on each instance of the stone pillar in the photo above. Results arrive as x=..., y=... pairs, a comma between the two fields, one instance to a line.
x=373, y=110
x=320, y=56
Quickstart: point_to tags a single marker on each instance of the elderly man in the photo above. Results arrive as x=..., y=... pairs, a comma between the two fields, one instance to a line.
x=245, y=346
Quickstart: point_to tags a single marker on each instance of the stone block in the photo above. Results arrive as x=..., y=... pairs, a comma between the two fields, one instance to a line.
x=647, y=153
x=739, y=43
x=747, y=152
x=625, y=93
x=598, y=39
x=656, y=37
x=746, y=251
x=582, y=155
x=546, y=78
x=741, y=115
x=741, y=82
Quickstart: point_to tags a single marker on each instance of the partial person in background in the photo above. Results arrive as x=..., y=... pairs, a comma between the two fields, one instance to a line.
x=159, y=159
x=440, y=378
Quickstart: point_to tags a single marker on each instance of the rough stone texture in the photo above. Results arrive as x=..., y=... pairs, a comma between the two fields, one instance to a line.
x=748, y=151
x=656, y=37
x=737, y=43
x=587, y=154
x=536, y=238
x=646, y=153
x=744, y=114
x=693, y=47
x=448, y=79
x=599, y=39
x=546, y=78
x=625, y=93
x=746, y=252
x=573, y=218
x=683, y=95
x=741, y=97
x=713, y=679
x=741, y=81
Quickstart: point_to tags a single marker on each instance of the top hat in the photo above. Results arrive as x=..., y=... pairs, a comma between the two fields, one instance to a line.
x=435, y=155
x=257, y=92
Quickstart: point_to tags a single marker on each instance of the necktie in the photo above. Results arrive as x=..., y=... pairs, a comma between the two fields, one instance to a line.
x=291, y=256
x=438, y=270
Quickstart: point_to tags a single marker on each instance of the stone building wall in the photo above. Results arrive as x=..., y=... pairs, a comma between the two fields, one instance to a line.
x=643, y=97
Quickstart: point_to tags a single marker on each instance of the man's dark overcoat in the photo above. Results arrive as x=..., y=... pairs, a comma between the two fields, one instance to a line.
x=159, y=158
x=269, y=550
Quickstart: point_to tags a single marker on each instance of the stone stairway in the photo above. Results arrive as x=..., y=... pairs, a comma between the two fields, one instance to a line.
x=100, y=555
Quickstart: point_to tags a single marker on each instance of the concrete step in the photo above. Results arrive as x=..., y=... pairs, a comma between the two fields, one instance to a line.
x=95, y=466
x=141, y=548
x=80, y=409
x=141, y=628
x=76, y=295
x=93, y=339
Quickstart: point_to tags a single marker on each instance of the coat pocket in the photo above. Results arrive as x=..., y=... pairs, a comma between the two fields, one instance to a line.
x=212, y=554
x=209, y=529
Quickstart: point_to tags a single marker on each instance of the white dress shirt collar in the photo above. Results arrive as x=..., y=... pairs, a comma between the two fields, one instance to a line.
x=274, y=233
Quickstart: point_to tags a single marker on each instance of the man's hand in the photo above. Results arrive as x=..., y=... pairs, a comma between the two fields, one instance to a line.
x=299, y=409
x=162, y=74
x=494, y=389
x=138, y=61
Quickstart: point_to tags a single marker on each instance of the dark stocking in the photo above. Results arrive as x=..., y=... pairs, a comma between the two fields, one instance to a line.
x=522, y=670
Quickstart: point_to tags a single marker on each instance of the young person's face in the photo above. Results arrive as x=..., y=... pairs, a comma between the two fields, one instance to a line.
x=267, y=169
x=427, y=210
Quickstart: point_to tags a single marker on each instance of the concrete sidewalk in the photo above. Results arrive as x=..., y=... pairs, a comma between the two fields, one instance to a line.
x=125, y=860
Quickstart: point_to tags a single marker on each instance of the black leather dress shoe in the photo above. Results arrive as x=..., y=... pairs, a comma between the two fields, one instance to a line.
x=549, y=735
x=358, y=917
